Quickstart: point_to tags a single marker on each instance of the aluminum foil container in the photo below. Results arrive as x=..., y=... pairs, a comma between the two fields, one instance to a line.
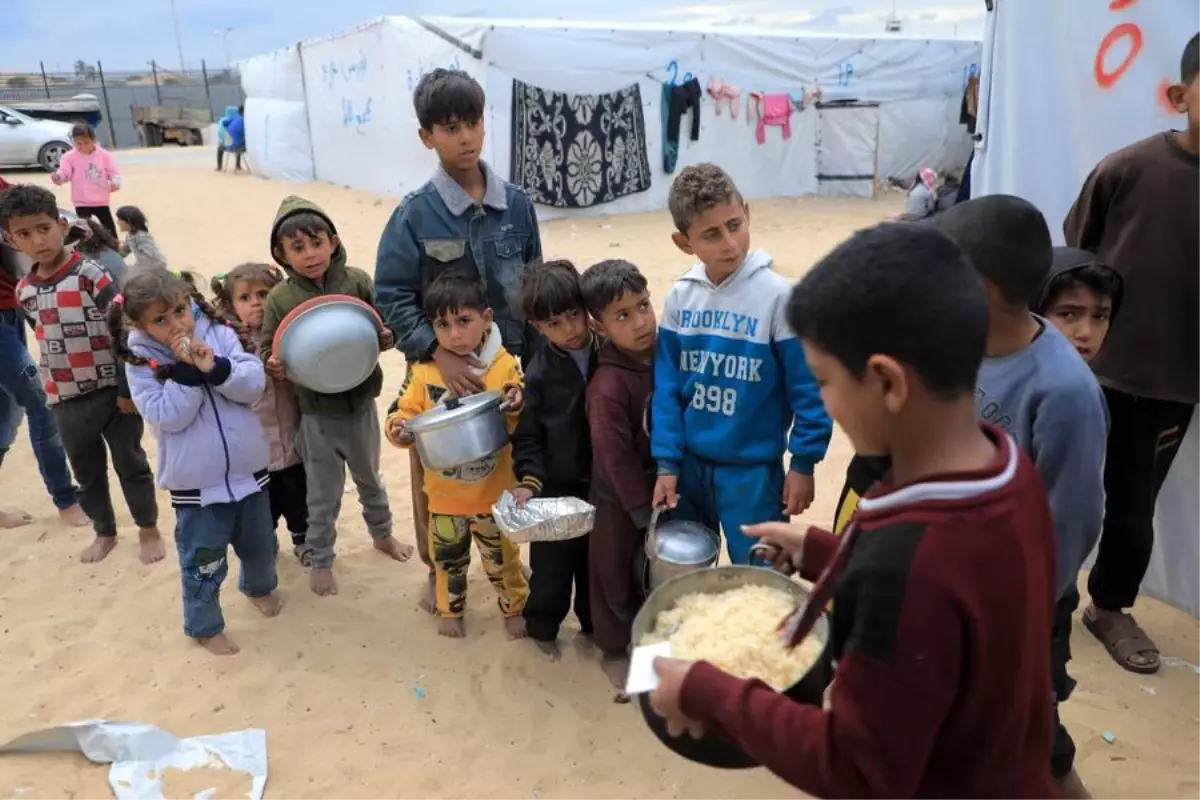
x=543, y=519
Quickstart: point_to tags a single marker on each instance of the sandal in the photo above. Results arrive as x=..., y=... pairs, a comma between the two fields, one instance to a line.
x=1123, y=639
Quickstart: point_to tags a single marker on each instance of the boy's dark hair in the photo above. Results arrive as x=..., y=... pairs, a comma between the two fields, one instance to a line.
x=549, y=289
x=83, y=131
x=307, y=223
x=133, y=217
x=1080, y=268
x=604, y=283
x=448, y=95
x=26, y=200
x=452, y=291
x=1007, y=240
x=900, y=290
x=1189, y=64
x=697, y=189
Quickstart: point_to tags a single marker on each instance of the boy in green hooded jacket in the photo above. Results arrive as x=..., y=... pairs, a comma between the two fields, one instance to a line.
x=336, y=430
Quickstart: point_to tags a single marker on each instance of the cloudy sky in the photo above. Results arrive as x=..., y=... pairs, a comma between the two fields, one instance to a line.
x=126, y=34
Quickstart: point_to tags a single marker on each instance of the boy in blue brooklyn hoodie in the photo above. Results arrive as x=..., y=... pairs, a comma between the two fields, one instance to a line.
x=194, y=385
x=730, y=377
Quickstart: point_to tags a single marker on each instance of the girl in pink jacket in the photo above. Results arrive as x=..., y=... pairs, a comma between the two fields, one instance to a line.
x=93, y=175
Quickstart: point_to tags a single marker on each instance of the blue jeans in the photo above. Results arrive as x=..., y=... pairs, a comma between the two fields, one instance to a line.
x=203, y=535
x=21, y=395
x=728, y=496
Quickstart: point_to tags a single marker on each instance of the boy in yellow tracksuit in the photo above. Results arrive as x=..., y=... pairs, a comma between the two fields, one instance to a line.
x=461, y=500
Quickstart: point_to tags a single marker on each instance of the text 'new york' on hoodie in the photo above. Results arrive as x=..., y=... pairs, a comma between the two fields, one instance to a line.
x=730, y=377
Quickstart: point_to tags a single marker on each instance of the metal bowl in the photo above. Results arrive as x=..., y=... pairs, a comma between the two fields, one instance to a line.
x=329, y=344
x=714, y=749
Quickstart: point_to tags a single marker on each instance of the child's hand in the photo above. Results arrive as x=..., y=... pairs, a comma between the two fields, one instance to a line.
x=798, y=493
x=181, y=347
x=666, y=491
x=522, y=495
x=203, y=356
x=125, y=405
x=514, y=399
x=57, y=179
x=666, y=698
x=397, y=432
x=387, y=339
x=114, y=187
x=785, y=539
x=275, y=369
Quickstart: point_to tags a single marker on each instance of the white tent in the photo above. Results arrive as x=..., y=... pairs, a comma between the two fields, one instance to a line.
x=1064, y=84
x=340, y=108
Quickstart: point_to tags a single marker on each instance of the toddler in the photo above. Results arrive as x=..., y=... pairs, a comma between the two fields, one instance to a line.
x=138, y=240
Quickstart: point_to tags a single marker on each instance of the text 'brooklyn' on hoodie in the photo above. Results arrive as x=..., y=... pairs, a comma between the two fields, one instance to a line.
x=730, y=377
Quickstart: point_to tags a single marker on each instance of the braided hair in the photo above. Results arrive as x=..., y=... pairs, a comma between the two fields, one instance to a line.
x=224, y=284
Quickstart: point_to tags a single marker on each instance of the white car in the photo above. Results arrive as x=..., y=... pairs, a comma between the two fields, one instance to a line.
x=27, y=142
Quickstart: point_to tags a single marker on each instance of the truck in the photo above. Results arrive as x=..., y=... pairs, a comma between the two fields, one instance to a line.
x=157, y=125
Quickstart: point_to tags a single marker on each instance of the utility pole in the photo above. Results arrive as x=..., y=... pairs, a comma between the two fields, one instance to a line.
x=224, y=34
x=178, y=38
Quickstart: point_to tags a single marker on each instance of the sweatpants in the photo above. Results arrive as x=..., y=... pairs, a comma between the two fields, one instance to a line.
x=1063, y=755
x=203, y=535
x=450, y=546
x=328, y=444
x=728, y=496
x=288, y=494
x=558, y=567
x=614, y=582
x=87, y=424
x=1143, y=437
x=102, y=214
x=420, y=506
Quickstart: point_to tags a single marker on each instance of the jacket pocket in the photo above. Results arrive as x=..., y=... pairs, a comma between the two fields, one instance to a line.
x=441, y=255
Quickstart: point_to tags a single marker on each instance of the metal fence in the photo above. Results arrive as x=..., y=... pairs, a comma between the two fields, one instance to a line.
x=119, y=92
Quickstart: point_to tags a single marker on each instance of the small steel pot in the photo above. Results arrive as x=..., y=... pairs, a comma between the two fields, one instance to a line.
x=677, y=548
x=460, y=432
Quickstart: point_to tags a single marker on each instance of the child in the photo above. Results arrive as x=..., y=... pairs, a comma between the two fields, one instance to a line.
x=1137, y=212
x=552, y=446
x=93, y=176
x=618, y=407
x=465, y=217
x=461, y=500
x=194, y=383
x=1035, y=386
x=138, y=240
x=941, y=589
x=93, y=240
x=1080, y=296
x=241, y=295
x=336, y=430
x=730, y=379
x=66, y=296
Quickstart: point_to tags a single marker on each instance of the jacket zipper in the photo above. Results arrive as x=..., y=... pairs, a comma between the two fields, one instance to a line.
x=224, y=443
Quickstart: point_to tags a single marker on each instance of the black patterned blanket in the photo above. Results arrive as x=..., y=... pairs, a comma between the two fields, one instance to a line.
x=578, y=150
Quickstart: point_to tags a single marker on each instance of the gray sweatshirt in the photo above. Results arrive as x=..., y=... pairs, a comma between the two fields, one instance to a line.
x=145, y=251
x=1048, y=399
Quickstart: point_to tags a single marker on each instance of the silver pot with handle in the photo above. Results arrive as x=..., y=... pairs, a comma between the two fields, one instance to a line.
x=460, y=431
x=677, y=547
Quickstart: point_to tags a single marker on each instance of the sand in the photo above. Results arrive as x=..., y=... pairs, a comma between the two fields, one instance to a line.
x=358, y=695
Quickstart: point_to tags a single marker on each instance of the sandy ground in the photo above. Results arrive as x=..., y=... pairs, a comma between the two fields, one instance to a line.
x=335, y=681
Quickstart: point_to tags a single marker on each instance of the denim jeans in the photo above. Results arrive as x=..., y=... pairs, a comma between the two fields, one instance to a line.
x=203, y=535
x=21, y=395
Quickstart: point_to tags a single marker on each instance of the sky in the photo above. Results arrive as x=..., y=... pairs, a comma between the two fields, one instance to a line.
x=130, y=33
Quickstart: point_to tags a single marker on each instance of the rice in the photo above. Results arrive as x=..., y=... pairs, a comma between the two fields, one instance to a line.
x=737, y=630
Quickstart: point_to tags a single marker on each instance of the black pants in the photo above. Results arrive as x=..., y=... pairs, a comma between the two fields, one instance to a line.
x=1143, y=437
x=288, y=492
x=1063, y=756
x=558, y=567
x=87, y=423
x=221, y=157
x=101, y=214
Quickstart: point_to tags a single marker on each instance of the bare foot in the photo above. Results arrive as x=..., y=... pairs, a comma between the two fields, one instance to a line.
x=321, y=581
x=150, y=547
x=100, y=547
x=451, y=628
x=14, y=518
x=428, y=603
x=515, y=628
x=393, y=547
x=269, y=604
x=616, y=669
x=585, y=644
x=549, y=649
x=74, y=516
x=219, y=645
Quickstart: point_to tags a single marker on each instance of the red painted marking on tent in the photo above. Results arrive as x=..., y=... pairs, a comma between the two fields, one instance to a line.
x=1105, y=78
x=1117, y=5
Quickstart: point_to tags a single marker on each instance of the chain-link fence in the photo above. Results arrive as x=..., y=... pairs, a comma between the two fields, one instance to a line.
x=106, y=99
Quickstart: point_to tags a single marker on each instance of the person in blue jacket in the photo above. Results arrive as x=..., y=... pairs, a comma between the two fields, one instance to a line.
x=231, y=136
x=732, y=388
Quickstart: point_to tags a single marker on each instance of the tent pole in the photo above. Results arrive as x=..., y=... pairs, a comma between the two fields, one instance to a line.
x=453, y=40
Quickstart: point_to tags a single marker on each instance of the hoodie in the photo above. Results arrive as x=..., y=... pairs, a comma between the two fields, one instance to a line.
x=618, y=406
x=1069, y=259
x=233, y=129
x=338, y=279
x=210, y=443
x=730, y=376
x=223, y=125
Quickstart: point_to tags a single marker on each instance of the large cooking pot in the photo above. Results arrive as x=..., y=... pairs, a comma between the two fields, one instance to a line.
x=677, y=547
x=460, y=431
x=714, y=749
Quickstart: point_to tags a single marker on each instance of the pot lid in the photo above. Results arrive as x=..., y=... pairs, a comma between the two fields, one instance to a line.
x=454, y=410
x=685, y=543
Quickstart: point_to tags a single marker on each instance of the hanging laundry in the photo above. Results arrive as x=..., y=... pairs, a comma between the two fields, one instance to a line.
x=722, y=92
x=578, y=150
x=772, y=109
x=677, y=99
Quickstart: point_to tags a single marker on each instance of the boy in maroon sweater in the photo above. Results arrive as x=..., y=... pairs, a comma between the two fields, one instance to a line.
x=944, y=582
x=615, y=294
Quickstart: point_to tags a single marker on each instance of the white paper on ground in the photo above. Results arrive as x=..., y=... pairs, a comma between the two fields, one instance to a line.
x=141, y=753
x=642, y=678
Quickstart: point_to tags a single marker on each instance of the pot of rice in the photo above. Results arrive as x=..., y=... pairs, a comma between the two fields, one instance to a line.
x=729, y=616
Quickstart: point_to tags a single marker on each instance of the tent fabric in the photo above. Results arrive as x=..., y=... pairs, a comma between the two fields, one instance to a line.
x=1041, y=145
x=277, y=142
